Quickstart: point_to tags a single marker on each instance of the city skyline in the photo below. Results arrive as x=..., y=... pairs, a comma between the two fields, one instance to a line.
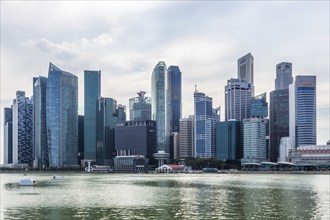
x=205, y=44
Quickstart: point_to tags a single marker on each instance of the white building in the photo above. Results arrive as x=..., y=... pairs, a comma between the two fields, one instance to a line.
x=287, y=144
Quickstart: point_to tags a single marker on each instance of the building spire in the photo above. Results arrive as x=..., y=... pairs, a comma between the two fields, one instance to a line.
x=196, y=88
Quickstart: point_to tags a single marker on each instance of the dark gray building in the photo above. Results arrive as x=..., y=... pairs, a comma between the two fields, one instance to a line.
x=81, y=138
x=283, y=75
x=8, y=135
x=136, y=138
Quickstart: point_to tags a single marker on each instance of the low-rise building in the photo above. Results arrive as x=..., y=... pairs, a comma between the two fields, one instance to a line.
x=318, y=155
x=131, y=164
x=171, y=168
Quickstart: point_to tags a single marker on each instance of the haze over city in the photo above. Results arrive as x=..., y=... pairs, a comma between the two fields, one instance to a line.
x=126, y=40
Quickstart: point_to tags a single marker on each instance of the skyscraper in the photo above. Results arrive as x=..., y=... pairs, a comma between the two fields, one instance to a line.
x=40, y=123
x=259, y=106
x=81, y=140
x=92, y=90
x=158, y=105
x=22, y=129
x=62, y=117
x=237, y=99
x=204, y=126
x=186, y=137
x=8, y=135
x=283, y=75
x=140, y=107
x=245, y=70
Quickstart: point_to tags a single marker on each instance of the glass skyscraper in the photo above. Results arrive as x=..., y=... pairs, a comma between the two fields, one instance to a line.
x=8, y=135
x=140, y=107
x=40, y=123
x=283, y=75
x=245, y=70
x=92, y=90
x=158, y=105
x=62, y=117
x=259, y=106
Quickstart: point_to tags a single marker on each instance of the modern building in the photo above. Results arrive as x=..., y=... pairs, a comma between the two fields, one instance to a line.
x=175, y=146
x=121, y=113
x=186, y=137
x=158, y=105
x=245, y=70
x=254, y=140
x=106, y=119
x=283, y=75
x=22, y=129
x=259, y=106
x=40, y=122
x=305, y=110
x=8, y=135
x=229, y=140
x=131, y=164
x=204, y=126
x=92, y=91
x=81, y=140
x=237, y=99
x=136, y=138
x=140, y=107
x=62, y=117
x=287, y=144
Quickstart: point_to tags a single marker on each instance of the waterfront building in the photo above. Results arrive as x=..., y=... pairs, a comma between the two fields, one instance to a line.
x=140, y=107
x=62, y=117
x=204, y=126
x=171, y=168
x=40, y=122
x=175, y=146
x=311, y=155
x=92, y=91
x=283, y=75
x=158, y=105
x=131, y=164
x=81, y=140
x=8, y=135
x=136, y=138
x=229, y=143
x=245, y=70
x=259, y=106
x=237, y=99
x=186, y=137
x=287, y=144
x=22, y=129
x=254, y=140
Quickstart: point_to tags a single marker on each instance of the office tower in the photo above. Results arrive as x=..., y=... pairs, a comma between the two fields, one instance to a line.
x=92, y=91
x=259, y=106
x=254, y=140
x=22, y=129
x=245, y=70
x=121, y=113
x=204, y=126
x=186, y=137
x=62, y=117
x=305, y=110
x=140, y=107
x=229, y=143
x=286, y=145
x=106, y=119
x=81, y=139
x=8, y=135
x=136, y=138
x=158, y=105
x=283, y=75
x=279, y=121
x=40, y=123
x=237, y=99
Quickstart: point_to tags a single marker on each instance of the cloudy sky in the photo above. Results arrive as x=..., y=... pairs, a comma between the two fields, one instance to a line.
x=126, y=40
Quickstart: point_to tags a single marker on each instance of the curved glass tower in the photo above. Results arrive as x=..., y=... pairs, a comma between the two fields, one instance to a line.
x=62, y=117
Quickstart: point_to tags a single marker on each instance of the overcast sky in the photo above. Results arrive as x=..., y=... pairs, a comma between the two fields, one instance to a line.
x=126, y=40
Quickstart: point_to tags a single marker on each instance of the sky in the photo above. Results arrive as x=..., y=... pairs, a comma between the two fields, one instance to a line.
x=125, y=40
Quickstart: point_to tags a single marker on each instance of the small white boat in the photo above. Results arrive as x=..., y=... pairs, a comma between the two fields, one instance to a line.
x=58, y=177
x=28, y=182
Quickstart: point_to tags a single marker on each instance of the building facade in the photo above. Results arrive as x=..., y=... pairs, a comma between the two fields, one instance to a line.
x=283, y=75
x=186, y=137
x=62, y=117
x=81, y=140
x=8, y=135
x=140, y=107
x=245, y=68
x=259, y=106
x=92, y=91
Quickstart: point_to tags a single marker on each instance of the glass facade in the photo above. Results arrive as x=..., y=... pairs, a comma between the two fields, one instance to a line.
x=81, y=138
x=259, y=106
x=140, y=107
x=8, y=135
x=283, y=75
x=62, y=117
x=92, y=91
x=245, y=70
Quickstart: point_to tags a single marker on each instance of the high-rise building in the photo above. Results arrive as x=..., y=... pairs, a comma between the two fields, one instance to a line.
x=22, y=129
x=40, y=124
x=81, y=139
x=186, y=137
x=283, y=75
x=229, y=143
x=8, y=135
x=140, y=107
x=254, y=140
x=136, y=138
x=106, y=119
x=245, y=70
x=121, y=113
x=62, y=117
x=305, y=110
x=259, y=106
x=204, y=126
x=158, y=105
x=237, y=99
x=92, y=91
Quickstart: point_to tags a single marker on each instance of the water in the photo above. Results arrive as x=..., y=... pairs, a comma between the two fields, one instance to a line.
x=167, y=196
